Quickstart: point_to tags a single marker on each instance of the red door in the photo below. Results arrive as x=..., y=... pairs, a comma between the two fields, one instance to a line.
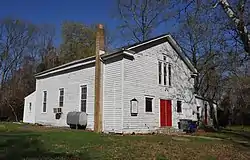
x=166, y=112
x=163, y=113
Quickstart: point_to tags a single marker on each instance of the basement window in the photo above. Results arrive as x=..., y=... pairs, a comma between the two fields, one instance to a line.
x=179, y=104
x=148, y=104
x=61, y=97
x=83, y=98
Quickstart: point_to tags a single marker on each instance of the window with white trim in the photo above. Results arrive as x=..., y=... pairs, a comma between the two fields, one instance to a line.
x=179, y=106
x=169, y=75
x=159, y=69
x=165, y=74
x=149, y=104
x=44, y=101
x=83, y=98
x=61, y=97
x=30, y=106
x=164, y=71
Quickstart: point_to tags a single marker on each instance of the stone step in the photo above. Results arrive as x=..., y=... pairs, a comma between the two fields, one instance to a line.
x=169, y=130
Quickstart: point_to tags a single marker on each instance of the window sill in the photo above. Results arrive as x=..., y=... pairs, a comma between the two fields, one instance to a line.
x=161, y=85
x=43, y=112
x=149, y=113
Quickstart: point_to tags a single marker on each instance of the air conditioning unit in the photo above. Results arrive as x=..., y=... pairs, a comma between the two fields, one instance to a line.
x=57, y=110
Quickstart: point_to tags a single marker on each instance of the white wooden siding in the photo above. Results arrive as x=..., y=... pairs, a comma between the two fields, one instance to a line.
x=123, y=80
x=141, y=78
x=201, y=103
x=29, y=115
x=71, y=83
x=112, y=103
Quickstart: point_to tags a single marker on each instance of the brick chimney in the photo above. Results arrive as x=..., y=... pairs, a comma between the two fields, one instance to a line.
x=98, y=78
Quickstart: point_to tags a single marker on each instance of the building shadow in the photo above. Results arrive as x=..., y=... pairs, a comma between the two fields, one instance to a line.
x=237, y=137
x=17, y=146
x=242, y=136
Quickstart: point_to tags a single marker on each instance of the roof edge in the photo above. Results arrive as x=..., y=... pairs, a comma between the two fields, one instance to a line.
x=65, y=65
x=146, y=42
x=181, y=53
x=127, y=51
x=173, y=43
x=81, y=62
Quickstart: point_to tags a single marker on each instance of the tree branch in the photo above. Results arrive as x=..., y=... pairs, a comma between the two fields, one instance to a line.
x=238, y=22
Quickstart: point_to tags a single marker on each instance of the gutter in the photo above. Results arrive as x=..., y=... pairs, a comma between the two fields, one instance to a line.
x=65, y=65
x=83, y=62
x=63, y=68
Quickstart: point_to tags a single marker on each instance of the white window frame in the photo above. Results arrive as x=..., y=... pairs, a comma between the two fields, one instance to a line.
x=30, y=105
x=170, y=74
x=61, y=89
x=159, y=72
x=153, y=104
x=164, y=77
x=44, y=101
x=80, y=102
x=180, y=106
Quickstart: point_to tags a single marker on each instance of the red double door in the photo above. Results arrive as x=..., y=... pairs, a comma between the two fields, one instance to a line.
x=166, y=112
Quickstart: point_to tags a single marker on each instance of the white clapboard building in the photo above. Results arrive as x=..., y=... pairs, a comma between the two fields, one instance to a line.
x=143, y=87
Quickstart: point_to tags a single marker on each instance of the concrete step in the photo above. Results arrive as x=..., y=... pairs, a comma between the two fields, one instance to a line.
x=169, y=131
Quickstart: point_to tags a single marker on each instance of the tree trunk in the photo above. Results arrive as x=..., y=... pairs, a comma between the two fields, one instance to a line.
x=242, y=120
x=12, y=109
x=239, y=24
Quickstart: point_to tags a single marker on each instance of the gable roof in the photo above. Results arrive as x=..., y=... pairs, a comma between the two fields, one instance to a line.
x=126, y=50
x=172, y=42
x=145, y=42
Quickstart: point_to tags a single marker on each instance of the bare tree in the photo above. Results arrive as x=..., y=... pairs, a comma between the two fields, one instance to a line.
x=43, y=42
x=42, y=49
x=15, y=36
x=22, y=46
x=237, y=89
x=139, y=18
x=239, y=15
x=237, y=12
x=203, y=42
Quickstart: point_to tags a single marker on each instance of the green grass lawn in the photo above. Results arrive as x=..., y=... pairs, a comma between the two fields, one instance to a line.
x=239, y=128
x=21, y=141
